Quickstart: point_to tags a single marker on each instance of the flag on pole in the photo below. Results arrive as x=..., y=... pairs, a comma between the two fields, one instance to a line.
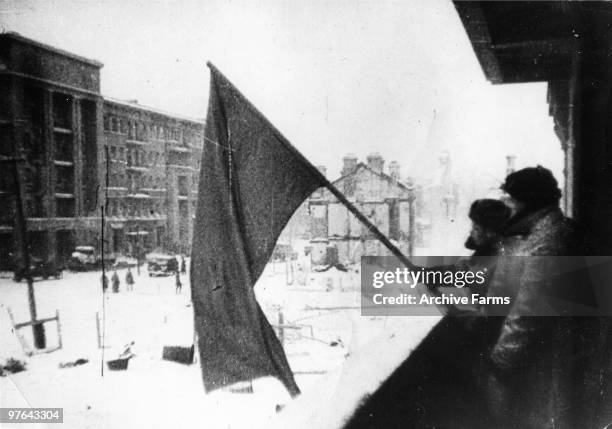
x=251, y=182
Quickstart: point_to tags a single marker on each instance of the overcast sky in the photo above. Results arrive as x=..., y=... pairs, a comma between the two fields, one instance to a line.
x=397, y=77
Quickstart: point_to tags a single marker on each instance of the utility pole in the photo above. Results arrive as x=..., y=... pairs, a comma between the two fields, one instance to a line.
x=103, y=209
x=20, y=221
x=138, y=248
x=104, y=287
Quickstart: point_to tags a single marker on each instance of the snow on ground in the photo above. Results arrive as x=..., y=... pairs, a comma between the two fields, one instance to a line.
x=337, y=355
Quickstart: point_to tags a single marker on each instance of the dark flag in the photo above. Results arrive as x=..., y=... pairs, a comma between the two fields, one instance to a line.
x=251, y=182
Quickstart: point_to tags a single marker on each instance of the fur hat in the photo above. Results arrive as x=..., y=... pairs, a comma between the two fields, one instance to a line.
x=533, y=186
x=490, y=214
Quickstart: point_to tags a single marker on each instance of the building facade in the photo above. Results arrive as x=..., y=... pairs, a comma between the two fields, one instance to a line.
x=383, y=198
x=54, y=118
x=153, y=169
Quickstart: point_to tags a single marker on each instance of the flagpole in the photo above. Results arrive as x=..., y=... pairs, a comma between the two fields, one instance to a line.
x=324, y=182
x=371, y=227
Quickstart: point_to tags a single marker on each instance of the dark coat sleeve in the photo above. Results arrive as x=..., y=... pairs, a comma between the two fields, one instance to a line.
x=524, y=330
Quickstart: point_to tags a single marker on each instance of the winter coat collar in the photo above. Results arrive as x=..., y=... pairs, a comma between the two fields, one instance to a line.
x=523, y=223
x=492, y=249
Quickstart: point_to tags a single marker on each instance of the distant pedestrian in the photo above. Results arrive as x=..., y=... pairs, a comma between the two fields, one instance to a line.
x=116, y=282
x=183, y=265
x=104, y=280
x=129, y=280
x=179, y=285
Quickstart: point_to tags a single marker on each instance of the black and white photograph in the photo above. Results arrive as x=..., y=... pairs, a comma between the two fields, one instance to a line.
x=351, y=214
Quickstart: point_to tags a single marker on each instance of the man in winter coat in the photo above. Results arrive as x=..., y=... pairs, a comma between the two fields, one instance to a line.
x=488, y=218
x=532, y=377
x=179, y=285
x=129, y=280
x=434, y=386
x=454, y=348
x=115, y=281
x=183, y=265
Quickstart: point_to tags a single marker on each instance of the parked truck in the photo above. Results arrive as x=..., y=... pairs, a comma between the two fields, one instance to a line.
x=38, y=268
x=87, y=258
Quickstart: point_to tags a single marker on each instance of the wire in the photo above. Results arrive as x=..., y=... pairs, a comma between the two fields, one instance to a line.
x=207, y=140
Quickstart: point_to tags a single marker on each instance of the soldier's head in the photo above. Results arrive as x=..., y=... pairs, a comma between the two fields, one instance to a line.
x=489, y=218
x=530, y=189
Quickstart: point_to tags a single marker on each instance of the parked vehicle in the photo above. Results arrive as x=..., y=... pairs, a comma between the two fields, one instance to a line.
x=39, y=268
x=85, y=258
x=122, y=261
x=161, y=264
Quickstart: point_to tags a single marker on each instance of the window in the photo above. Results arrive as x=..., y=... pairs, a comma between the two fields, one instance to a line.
x=62, y=111
x=65, y=207
x=6, y=181
x=64, y=182
x=7, y=209
x=6, y=141
x=318, y=211
x=183, y=188
x=63, y=146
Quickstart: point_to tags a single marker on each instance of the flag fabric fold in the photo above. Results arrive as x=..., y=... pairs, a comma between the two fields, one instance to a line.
x=251, y=182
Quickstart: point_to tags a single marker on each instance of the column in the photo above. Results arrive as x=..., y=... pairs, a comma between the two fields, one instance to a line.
x=593, y=122
x=77, y=156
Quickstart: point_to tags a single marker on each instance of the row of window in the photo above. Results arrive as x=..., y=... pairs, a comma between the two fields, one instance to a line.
x=117, y=207
x=135, y=182
x=123, y=208
x=136, y=157
x=143, y=131
x=180, y=158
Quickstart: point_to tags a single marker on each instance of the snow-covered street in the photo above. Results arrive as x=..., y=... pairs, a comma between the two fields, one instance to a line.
x=325, y=338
